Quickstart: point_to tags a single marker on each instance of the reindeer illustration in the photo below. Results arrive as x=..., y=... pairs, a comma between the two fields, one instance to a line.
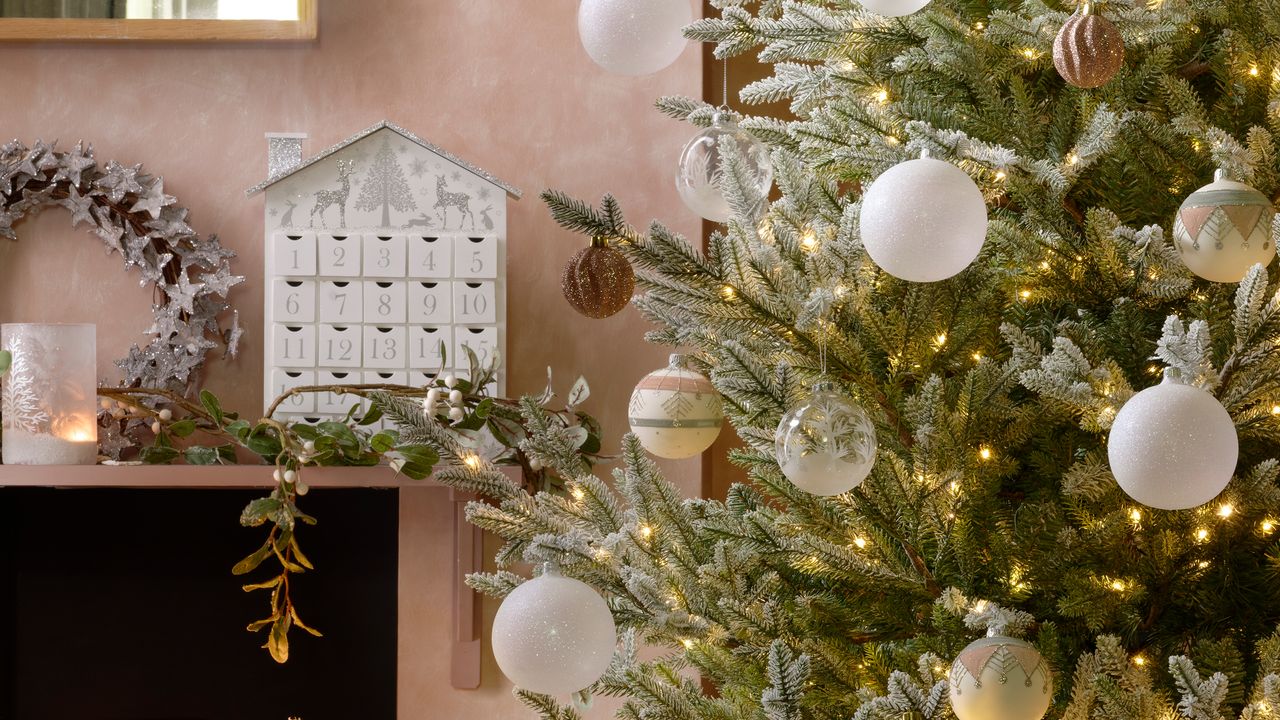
x=287, y=219
x=422, y=221
x=446, y=200
x=485, y=220
x=325, y=198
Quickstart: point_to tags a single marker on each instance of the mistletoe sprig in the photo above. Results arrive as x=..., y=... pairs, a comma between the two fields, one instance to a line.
x=450, y=422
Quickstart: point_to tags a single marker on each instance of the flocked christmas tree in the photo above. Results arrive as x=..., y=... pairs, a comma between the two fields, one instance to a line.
x=1001, y=391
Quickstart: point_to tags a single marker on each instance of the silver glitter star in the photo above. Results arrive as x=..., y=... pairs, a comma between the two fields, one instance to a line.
x=221, y=281
x=184, y=293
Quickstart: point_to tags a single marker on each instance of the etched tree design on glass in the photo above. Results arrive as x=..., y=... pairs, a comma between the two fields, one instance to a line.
x=26, y=387
x=385, y=186
x=825, y=436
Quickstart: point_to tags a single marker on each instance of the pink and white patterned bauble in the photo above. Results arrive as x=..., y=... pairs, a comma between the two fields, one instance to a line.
x=1223, y=229
x=1000, y=678
x=675, y=412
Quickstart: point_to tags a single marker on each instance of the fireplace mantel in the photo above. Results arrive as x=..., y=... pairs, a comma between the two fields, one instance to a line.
x=467, y=539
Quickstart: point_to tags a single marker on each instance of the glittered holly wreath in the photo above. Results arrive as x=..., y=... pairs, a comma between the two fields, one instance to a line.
x=129, y=211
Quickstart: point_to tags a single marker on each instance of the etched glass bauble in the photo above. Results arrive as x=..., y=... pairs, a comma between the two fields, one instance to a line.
x=826, y=445
x=675, y=412
x=923, y=220
x=553, y=635
x=1000, y=678
x=1173, y=446
x=893, y=8
x=703, y=166
x=633, y=37
x=1223, y=229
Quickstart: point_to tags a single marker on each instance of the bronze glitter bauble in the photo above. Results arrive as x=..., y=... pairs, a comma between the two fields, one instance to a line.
x=1089, y=50
x=598, y=280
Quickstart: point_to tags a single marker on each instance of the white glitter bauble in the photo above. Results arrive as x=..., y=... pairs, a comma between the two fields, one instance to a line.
x=1000, y=678
x=633, y=37
x=1223, y=229
x=893, y=8
x=701, y=167
x=1173, y=446
x=923, y=220
x=675, y=412
x=553, y=635
x=826, y=445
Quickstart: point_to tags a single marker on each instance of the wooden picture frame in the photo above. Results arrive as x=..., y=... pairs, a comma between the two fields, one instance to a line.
x=82, y=30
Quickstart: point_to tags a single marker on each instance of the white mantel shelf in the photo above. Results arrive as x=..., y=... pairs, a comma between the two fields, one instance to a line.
x=468, y=545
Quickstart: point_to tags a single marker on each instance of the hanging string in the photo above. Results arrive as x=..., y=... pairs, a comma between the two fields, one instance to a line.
x=724, y=89
x=822, y=346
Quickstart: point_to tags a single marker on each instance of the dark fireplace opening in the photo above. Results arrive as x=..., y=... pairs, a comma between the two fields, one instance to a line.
x=121, y=605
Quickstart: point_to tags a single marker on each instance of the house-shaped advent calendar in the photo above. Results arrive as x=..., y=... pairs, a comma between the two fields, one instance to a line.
x=385, y=255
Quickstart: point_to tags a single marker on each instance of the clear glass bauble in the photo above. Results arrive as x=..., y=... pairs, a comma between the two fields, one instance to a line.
x=826, y=445
x=703, y=164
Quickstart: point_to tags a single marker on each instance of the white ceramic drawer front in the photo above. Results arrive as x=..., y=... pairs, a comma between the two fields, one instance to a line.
x=294, y=254
x=385, y=347
x=384, y=256
x=341, y=302
x=430, y=256
x=294, y=300
x=339, y=346
x=283, y=381
x=430, y=303
x=475, y=257
x=335, y=403
x=482, y=341
x=474, y=303
x=293, y=346
x=384, y=302
x=428, y=347
x=339, y=255
x=395, y=377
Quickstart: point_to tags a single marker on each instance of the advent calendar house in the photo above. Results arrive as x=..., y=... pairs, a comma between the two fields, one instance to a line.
x=385, y=256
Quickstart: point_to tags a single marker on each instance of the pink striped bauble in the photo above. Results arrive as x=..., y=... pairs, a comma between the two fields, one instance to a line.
x=1089, y=50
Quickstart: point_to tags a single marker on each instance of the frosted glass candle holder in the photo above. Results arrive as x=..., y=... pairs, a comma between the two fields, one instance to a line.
x=50, y=394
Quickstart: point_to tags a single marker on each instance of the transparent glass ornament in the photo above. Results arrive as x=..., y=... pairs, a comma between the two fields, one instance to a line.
x=826, y=445
x=702, y=166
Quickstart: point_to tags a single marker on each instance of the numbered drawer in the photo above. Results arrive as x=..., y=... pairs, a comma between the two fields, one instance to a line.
x=294, y=301
x=293, y=346
x=384, y=302
x=430, y=303
x=282, y=381
x=339, y=346
x=328, y=402
x=384, y=256
x=430, y=256
x=475, y=257
x=341, y=302
x=482, y=341
x=398, y=377
x=429, y=346
x=294, y=253
x=339, y=255
x=385, y=347
x=473, y=303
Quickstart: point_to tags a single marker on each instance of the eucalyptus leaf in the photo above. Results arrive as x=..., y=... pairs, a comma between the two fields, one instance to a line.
x=251, y=563
x=211, y=405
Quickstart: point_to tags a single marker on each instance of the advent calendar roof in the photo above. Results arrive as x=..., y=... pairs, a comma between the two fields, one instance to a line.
x=387, y=124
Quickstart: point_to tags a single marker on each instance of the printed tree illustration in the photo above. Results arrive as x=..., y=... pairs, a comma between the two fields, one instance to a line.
x=386, y=186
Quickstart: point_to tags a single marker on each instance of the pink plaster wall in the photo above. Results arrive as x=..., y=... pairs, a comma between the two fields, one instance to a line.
x=503, y=84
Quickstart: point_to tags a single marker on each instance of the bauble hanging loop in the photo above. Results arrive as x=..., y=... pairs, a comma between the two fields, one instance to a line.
x=1173, y=446
x=675, y=412
x=598, y=280
x=1223, y=229
x=1089, y=49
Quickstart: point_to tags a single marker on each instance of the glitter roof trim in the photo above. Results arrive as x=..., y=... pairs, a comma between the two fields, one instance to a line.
x=511, y=189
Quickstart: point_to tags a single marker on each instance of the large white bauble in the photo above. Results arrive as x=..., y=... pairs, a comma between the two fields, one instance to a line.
x=553, y=635
x=893, y=8
x=1000, y=678
x=826, y=445
x=923, y=220
x=633, y=37
x=1173, y=446
x=675, y=412
x=1223, y=229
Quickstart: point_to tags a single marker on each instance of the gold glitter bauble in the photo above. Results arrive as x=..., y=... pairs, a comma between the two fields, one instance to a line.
x=1089, y=50
x=598, y=280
